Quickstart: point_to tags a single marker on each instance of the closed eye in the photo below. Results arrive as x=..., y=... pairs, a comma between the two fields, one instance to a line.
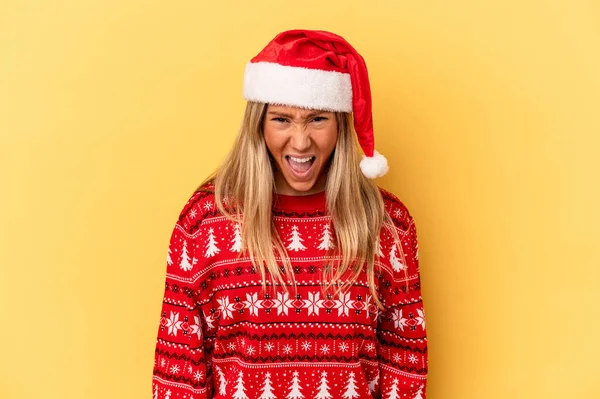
x=279, y=119
x=319, y=119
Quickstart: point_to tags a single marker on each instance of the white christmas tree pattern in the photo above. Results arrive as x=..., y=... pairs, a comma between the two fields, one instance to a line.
x=393, y=393
x=295, y=240
x=237, y=239
x=323, y=392
x=169, y=260
x=396, y=264
x=155, y=392
x=222, y=381
x=373, y=383
x=419, y=394
x=211, y=246
x=186, y=263
x=295, y=388
x=351, y=388
x=240, y=390
x=326, y=241
x=267, y=389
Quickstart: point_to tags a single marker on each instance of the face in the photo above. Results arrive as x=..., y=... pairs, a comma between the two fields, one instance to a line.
x=301, y=142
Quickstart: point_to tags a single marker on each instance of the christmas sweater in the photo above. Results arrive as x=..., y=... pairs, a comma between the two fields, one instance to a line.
x=220, y=336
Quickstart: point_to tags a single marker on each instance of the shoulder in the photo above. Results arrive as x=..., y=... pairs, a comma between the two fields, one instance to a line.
x=199, y=206
x=397, y=210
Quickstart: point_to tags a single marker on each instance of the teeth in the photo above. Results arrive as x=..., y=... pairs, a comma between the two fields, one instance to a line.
x=300, y=159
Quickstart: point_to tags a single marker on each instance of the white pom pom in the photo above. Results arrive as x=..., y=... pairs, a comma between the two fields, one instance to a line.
x=375, y=166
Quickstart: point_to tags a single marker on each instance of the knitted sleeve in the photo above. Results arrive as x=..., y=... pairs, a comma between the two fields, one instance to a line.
x=401, y=334
x=180, y=364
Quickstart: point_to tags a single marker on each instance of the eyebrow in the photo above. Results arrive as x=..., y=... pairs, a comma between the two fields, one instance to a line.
x=312, y=114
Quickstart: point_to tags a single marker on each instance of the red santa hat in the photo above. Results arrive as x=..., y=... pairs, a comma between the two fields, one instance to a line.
x=317, y=70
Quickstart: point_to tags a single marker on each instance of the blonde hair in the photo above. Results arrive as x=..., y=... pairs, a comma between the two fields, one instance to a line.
x=354, y=202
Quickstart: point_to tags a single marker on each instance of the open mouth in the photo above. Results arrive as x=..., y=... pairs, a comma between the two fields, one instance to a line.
x=300, y=166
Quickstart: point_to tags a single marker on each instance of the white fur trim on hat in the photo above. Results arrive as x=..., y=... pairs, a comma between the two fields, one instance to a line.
x=273, y=83
x=375, y=166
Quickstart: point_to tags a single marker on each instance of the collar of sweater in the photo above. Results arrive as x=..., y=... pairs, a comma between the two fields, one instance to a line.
x=309, y=202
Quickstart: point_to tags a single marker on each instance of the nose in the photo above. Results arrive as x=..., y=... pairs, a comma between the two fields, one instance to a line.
x=300, y=139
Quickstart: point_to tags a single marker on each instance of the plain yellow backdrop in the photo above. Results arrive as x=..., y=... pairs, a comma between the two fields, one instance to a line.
x=111, y=112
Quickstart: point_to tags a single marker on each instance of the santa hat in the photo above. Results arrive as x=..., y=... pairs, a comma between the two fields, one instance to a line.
x=317, y=70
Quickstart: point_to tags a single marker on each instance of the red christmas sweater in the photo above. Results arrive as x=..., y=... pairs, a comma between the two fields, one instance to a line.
x=220, y=337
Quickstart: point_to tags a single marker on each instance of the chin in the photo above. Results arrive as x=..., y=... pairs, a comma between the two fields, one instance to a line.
x=302, y=186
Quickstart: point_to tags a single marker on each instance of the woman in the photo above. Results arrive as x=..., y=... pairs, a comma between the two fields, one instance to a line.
x=290, y=273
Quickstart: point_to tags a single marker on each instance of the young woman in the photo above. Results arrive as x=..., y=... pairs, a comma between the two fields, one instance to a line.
x=290, y=273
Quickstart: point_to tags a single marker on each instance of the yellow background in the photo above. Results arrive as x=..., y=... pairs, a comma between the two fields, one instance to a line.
x=111, y=112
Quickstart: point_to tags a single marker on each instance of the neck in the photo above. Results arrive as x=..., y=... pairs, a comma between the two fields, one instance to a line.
x=282, y=186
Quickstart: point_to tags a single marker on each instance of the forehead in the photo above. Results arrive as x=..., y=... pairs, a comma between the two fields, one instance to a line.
x=293, y=111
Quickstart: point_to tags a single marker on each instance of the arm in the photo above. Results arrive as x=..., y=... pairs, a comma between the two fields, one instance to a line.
x=401, y=331
x=179, y=361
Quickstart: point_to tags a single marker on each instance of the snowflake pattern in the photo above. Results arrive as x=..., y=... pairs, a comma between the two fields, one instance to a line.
x=411, y=322
x=226, y=307
x=174, y=324
x=313, y=303
x=283, y=303
x=399, y=321
x=196, y=328
x=253, y=303
x=343, y=304
x=209, y=321
x=420, y=319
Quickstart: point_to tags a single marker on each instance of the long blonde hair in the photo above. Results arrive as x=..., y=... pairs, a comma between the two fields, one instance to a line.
x=354, y=202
